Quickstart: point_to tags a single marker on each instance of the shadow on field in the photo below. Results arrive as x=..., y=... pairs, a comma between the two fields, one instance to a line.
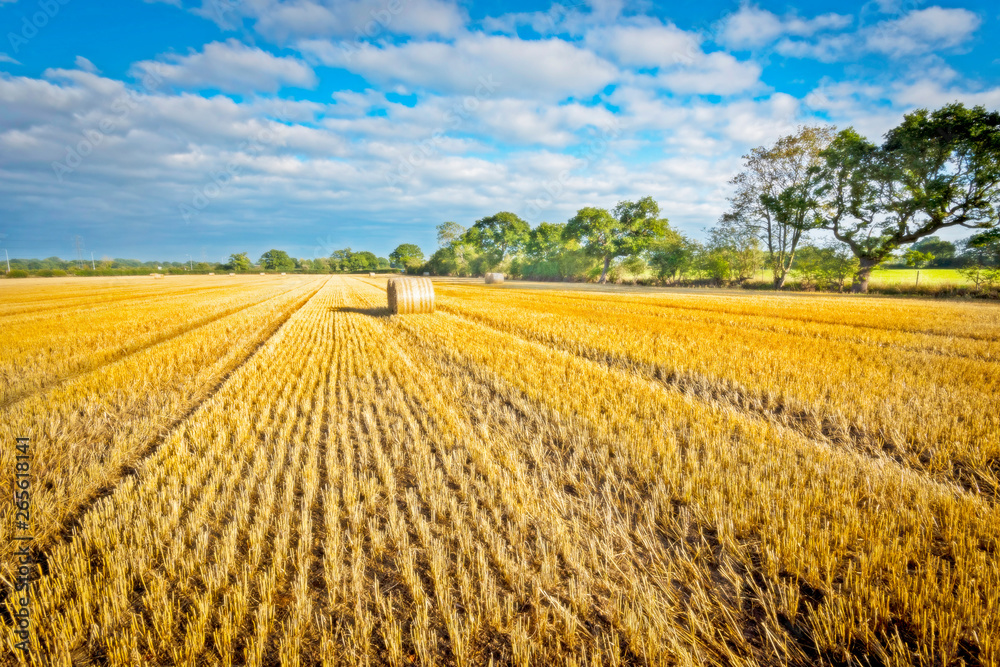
x=370, y=312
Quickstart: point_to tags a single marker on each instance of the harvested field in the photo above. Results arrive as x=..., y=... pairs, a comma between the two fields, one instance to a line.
x=281, y=472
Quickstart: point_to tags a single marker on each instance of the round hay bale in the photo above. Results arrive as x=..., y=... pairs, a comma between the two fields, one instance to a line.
x=426, y=273
x=284, y=274
x=371, y=274
x=494, y=278
x=232, y=274
x=211, y=274
x=261, y=273
x=410, y=295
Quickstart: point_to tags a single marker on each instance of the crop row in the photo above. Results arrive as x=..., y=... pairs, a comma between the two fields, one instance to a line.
x=38, y=348
x=928, y=401
x=89, y=431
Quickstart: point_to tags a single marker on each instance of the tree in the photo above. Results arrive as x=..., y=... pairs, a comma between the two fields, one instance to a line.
x=361, y=261
x=738, y=245
x=549, y=254
x=447, y=232
x=629, y=231
x=239, y=262
x=916, y=259
x=935, y=170
x=943, y=251
x=340, y=259
x=407, y=255
x=982, y=257
x=545, y=242
x=276, y=260
x=832, y=264
x=501, y=235
x=774, y=194
x=673, y=254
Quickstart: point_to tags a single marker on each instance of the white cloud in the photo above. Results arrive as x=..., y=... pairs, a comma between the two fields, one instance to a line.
x=480, y=65
x=229, y=66
x=873, y=108
x=922, y=31
x=524, y=122
x=714, y=74
x=85, y=65
x=751, y=27
x=4, y=58
x=645, y=45
x=919, y=32
x=365, y=19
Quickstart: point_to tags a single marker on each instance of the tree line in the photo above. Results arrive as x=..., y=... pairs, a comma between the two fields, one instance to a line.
x=875, y=204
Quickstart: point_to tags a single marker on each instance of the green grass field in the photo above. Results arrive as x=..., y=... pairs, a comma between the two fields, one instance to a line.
x=927, y=277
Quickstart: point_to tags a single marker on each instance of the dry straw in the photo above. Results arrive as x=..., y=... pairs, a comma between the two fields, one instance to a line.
x=410, y=295
x=494, y=278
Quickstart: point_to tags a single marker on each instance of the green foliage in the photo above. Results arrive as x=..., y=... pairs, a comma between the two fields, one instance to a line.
x=736, y=246
x=276, y=260
x=237, y=262
x=825, y=267
x=448, y=232
x=17, y=273
x=715, y=263
x=943, y=251
x=407, y=255
x=935, y=170
x=982, y=254
x=916, y=259
x=500, y=236
x=628, y=230
x=775, y=194
x=362, y=261
x=672, y=255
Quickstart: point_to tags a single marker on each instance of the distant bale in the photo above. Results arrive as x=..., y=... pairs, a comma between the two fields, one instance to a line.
x=211, y=273
x=157, y=276
x=283, y=274
x=232, y=274
x=410, y=295
x=261, y=273
x=371, y=274
x=426, y=273
x=494, y=278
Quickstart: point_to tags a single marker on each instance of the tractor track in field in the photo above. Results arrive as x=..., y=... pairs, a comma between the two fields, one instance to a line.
x=846, y=338
x=128, y=351
x=68, y=302
x=153, y=446
x=823, y=429
x=805, y=320
x=779, y=412
x=76, y=516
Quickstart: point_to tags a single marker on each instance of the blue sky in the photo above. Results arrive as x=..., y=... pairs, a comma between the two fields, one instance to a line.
x=162, y=129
